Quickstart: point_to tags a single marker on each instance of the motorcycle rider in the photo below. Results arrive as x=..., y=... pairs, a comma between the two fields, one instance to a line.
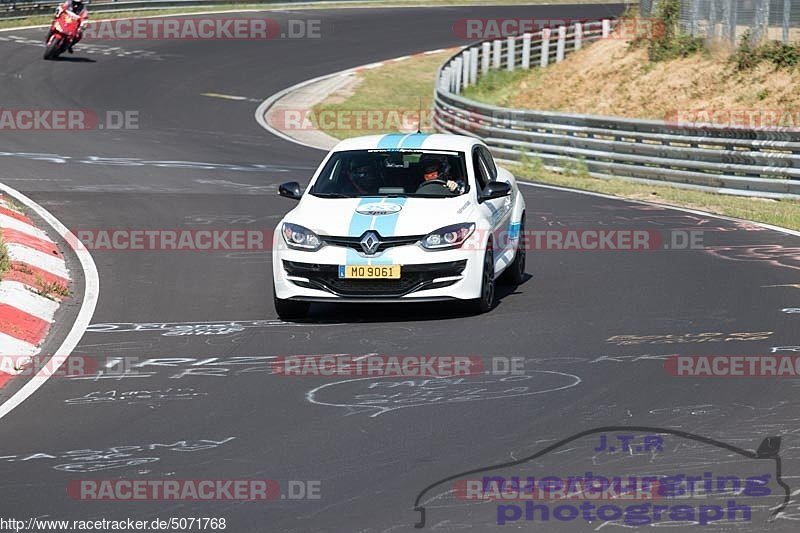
x=77, y=8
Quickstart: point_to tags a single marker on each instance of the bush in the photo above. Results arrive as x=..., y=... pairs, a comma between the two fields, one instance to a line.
x=782, y=55
x=748, y=56
x=670, y=42
x=745, y=56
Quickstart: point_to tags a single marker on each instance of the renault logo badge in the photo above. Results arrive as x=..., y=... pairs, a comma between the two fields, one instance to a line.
x=370, y=242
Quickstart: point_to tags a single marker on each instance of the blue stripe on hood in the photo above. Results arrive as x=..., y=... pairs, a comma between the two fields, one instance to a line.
x=384, y=224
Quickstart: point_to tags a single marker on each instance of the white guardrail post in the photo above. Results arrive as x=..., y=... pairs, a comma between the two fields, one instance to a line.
x=465, y=68
x=473, y=67
x=578, y=35
x=496, y=44
x=562, y=41
x=457, y=78
x=510, y=53
x=486, y=53
x=526, y=51
x=444, y=81
x=545, y=57
x=606, y=28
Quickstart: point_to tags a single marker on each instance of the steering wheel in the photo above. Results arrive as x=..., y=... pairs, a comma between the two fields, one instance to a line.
x=439, y=182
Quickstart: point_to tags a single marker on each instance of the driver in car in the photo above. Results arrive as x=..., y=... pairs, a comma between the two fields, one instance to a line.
x=434, y=168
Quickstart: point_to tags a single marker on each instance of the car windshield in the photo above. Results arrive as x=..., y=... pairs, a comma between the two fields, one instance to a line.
x=416, y=173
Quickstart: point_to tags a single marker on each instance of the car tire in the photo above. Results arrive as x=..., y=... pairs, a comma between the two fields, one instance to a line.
x=486, y=302
x=514, y=274
x=290, y=309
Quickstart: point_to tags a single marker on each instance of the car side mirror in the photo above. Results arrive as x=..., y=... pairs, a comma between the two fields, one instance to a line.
x=495, y=189
x=291, y=190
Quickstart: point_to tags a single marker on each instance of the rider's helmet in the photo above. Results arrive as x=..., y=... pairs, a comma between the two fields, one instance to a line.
x=435, y=167
x=77, y=6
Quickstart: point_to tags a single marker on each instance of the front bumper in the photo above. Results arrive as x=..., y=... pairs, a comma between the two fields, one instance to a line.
x=425, y=276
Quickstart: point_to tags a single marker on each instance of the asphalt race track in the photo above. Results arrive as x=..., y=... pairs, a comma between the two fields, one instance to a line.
x=206, y=405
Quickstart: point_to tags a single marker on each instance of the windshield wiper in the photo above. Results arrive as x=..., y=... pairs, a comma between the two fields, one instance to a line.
x=330, y=195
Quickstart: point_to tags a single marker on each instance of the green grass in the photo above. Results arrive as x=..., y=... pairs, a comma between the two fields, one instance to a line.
x=499, y=87
x=36, y=20
x=51, y=290
x=388, y=91
x=5, y=262
x=784, y=213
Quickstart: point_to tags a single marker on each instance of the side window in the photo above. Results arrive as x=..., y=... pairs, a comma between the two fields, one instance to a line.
x=481, y=174
x=489, y=161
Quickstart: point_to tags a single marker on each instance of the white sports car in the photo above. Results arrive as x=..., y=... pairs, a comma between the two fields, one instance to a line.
x=400, y=218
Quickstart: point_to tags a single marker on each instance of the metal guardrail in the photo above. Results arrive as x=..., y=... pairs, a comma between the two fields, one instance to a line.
x=756, y=162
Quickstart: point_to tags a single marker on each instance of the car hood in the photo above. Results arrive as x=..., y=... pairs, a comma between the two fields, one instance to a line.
x=351, y=217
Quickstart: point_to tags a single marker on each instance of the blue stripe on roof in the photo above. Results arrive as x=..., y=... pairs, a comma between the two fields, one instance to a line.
x=390, y=141
x=414, y=141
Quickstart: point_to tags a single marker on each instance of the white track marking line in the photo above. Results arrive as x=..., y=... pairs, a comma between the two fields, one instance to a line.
x=28, y=301
x=224, y=96
x=90, y=295
x=664, y=206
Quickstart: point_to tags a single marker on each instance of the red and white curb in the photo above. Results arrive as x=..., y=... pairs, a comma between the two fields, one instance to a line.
x=53, y=269
x=28, y=295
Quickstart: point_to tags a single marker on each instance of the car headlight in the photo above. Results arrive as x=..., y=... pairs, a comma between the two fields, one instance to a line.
x=447, y=237
x=300, y=238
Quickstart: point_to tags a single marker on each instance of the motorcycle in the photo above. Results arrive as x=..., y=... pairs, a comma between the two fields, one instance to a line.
x=63, y=32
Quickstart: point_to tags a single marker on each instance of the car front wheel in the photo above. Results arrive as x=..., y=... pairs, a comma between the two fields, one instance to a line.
x=486, y=300
x=515, y=273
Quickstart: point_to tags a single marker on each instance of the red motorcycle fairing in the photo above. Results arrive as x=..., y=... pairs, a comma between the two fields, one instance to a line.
x=63, y=31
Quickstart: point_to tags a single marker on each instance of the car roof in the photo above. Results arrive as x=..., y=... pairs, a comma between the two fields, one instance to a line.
x=395, y=141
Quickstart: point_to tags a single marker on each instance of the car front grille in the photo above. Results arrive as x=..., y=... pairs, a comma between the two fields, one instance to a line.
x=412, y=278
x=386, y=242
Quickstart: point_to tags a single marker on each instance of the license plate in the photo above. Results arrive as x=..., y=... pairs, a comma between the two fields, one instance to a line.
x=369, y=271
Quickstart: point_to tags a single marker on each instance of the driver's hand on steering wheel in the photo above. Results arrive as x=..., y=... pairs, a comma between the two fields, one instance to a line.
x=452, y=185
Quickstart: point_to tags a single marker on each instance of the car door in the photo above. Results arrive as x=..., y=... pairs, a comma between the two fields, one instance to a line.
x=497, y=210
